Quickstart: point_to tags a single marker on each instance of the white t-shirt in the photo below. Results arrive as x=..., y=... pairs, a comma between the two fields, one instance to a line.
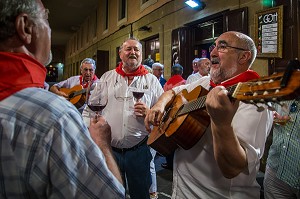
x=196, y=173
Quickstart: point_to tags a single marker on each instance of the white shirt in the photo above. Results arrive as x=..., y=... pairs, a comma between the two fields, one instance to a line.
x=69, y=83
x=193, y=77
x=127, y=129
x=196, y=173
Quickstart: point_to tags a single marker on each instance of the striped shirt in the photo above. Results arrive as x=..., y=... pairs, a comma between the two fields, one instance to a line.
x=284, y=153
x=47, y=152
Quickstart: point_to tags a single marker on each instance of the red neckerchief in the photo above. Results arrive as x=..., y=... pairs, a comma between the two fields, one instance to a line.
x=85, y=85
x=19, y=71
x=243, y=77
x=141, y=70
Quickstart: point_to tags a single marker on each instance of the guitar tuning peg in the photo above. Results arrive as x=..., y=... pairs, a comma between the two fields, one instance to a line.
x=259, y=108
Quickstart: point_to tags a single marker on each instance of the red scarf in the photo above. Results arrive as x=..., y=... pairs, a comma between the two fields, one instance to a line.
x=19, y=71
x=141, y=70
x=243, y=77
x=85, y=85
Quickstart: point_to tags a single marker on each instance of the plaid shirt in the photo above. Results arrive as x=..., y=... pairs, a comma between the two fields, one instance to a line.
x=47, y=152
x=284, y=153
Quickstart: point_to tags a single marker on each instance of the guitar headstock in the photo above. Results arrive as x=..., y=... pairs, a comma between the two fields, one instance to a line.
x=268, y=89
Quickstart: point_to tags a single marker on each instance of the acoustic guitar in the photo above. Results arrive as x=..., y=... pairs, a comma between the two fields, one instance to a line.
x=76, y=95
x=185, y=119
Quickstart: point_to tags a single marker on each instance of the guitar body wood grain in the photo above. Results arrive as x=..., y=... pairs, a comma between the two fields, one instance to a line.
x=76, y=95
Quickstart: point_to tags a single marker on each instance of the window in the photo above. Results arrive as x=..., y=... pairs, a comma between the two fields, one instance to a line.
x=95, y=22
x=208, y=31
x=105, y=13
x=87, y=32
x=122, y=9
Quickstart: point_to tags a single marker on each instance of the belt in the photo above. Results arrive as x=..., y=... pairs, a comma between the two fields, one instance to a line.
x=131, y=148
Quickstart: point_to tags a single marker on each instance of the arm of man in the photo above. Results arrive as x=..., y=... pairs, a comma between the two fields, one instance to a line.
x=229, y=154
x=55, y=89
x=101, y=134
x=155, y=114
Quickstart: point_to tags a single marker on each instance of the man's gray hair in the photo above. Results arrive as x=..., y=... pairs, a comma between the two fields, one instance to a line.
x=9, y=10
x=131, y=38
x=248, y=43
x=88, y=61
x=156, y=64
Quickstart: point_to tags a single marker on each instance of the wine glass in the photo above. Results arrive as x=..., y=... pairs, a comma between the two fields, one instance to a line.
x=137, y=94
x=97, y=100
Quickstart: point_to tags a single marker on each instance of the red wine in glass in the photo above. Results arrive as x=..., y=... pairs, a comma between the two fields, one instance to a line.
x=96, y=108
x=98, y=100
x=137, y=95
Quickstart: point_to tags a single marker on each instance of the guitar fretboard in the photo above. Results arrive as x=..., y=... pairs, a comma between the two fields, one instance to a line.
x=199, y=103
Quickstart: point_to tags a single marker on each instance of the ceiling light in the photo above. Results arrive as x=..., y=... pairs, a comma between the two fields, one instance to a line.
x=192, y=3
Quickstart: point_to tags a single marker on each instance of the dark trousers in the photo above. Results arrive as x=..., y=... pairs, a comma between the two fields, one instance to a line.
x=135, y=169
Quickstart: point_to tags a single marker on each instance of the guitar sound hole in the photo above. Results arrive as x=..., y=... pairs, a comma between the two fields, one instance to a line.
x=71, y=95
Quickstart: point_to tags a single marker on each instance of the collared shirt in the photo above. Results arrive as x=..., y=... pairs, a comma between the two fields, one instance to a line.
x=196, y=174
x=127, y=129
x=47, y=152
x=284, y=153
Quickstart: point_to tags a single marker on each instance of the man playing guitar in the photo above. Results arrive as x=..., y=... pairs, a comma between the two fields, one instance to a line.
x=225, y=161
x=79, y=83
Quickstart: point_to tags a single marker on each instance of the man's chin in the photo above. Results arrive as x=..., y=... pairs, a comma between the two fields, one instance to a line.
x=87, y=79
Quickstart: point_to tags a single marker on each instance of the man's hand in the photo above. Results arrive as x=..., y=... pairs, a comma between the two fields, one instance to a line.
x=219, y=106
x=55, y=89
x=100, y=132
x=155, y=114
x=140, y=109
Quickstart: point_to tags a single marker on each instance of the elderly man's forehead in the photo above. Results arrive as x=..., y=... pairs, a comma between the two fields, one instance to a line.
x=132, y=43
x=226, y=38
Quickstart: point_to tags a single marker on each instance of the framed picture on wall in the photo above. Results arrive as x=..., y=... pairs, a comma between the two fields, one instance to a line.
x=268, y=32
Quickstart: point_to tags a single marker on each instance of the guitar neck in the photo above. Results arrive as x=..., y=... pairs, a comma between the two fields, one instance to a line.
x=192, y=106
x=76, y=93
x=200, y=103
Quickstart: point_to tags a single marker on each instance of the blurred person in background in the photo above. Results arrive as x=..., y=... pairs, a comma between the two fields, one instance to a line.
x=203, y=70
x=158, y=70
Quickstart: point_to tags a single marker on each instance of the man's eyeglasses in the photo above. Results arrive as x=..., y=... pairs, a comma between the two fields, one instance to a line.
x=223, y=48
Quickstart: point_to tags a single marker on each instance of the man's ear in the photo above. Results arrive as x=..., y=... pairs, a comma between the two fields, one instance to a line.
x=244, y=57
x=24, y=28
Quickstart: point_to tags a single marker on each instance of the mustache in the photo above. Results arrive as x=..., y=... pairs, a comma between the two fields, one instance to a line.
x=215, y=60
x=132, y=57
